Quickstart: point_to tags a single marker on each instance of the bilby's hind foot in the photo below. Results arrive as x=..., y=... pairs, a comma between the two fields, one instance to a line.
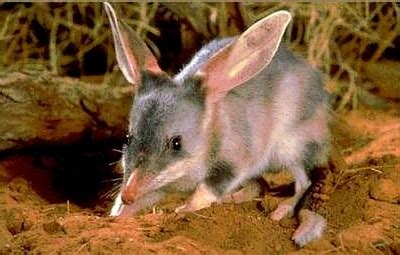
x=312, y=226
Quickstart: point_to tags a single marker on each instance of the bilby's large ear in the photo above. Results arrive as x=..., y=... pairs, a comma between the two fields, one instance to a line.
x=246, y=56
x=132, y=53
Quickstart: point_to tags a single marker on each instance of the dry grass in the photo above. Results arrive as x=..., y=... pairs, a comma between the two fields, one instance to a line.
x=55, y=35
x=340, y=38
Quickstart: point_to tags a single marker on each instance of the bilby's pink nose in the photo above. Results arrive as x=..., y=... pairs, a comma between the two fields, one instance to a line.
x=128, y=197
x=135, y=185
x=129, y=192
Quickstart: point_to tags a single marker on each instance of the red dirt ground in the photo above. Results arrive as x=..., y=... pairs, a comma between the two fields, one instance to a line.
x=362, y=209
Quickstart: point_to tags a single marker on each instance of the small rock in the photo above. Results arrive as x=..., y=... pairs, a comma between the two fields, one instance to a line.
x=84, y=240
x=16, y=221
x=385, y=190
x=53, y=227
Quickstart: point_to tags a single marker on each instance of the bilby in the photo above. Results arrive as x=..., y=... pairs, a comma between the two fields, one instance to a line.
x=242, y=106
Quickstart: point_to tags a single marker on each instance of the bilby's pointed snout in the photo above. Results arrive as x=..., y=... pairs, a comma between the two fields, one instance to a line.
x=129, y=192
x=136, y=186
x=128, y=197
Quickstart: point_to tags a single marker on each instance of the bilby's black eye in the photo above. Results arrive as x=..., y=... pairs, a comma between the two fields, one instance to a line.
x=129, y=139
x=176, y=143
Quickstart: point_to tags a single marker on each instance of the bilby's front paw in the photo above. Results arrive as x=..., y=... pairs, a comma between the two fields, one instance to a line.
x=201, y=198
x=191, y=207
x=283, y=210
x=312, y=226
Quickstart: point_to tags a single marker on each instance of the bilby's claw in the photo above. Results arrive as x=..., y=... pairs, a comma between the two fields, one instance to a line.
x=182, y=208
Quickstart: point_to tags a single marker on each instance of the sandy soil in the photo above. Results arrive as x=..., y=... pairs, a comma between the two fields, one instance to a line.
x=361, y=204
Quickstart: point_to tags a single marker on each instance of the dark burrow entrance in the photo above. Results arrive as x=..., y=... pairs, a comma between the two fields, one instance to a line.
x=83, y=175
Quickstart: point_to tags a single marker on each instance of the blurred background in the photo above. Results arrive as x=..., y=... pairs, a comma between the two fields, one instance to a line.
x=357, y=45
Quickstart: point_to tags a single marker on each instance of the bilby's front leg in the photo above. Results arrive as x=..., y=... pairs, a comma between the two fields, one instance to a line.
x=302, y=183
x=247, y=193
x=203, y=197
x=220, y=180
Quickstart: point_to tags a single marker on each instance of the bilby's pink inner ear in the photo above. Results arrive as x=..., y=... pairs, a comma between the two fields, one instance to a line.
x=132, y=53
x=246, y=56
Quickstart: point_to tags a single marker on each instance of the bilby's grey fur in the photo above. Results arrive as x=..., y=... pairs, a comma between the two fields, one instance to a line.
x=200, y=57
x=208, y=135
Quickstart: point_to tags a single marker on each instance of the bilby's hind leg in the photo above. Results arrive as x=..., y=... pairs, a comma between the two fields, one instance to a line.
x=314, y=154
x=312, y=224
x=302, y=183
